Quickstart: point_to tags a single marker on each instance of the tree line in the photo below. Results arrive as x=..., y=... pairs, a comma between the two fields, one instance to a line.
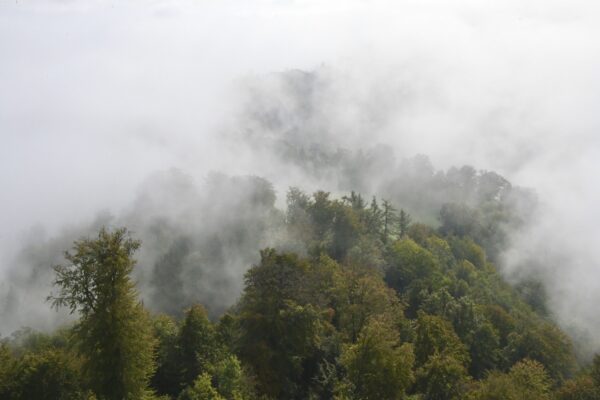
x=365, y=303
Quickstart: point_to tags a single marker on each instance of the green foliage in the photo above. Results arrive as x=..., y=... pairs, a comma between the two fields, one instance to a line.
x=404, y=221
x=409, y=262
x=231, y=382
x=346, y=229
x=374, y=219
x=201, y=389
x=435, y=336
x=321, y=214
x=466, y=249
x=366, y=253
x=359, y=297
x=378, y=366
x=544, y=342
x=379, y=308
x=595, y=370
x=27, y=340
x=47, y=375
x=226, y=332
x=298, y=218
x=586, y=386
x=580, y=388
x=526, y=380
x=280, y=330
x=420, y=233
x=442, y=377
x=484, y=350
x=502, y=321
x=7, y=365
x=389, y=219
x=413, y=271
x=114, y=333
x=166, y=379
x=460, y=220
x=197, y=344
x=533, y=293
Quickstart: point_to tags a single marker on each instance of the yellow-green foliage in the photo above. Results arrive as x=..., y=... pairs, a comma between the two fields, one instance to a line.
x=526, y=380
x=378, y=365
x=376, y=307
x=114, y=333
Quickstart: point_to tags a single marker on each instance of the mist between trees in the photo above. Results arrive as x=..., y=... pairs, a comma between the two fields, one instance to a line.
x=199, y=239
x=358, y=301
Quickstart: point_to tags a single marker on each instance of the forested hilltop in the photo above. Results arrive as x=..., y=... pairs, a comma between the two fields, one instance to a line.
x=360, y=301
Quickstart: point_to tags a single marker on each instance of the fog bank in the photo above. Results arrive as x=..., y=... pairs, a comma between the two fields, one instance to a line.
x=97, y=97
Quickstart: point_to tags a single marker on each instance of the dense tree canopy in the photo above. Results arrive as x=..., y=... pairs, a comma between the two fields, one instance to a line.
x=358, y=302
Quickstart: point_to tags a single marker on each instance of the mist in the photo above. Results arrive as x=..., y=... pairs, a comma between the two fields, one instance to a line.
x=99, y=102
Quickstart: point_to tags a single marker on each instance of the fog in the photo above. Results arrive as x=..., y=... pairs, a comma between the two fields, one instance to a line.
x=96, y=98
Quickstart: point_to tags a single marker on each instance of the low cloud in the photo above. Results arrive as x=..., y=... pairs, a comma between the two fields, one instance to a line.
x=97, y=97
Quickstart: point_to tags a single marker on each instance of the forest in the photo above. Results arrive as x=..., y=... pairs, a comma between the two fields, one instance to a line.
x=360, y=300
x=299, y=200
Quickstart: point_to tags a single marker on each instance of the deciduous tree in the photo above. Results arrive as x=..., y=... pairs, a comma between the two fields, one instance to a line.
x=114, y=333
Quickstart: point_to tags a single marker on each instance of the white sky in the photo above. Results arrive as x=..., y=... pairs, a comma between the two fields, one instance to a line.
x=96, y=95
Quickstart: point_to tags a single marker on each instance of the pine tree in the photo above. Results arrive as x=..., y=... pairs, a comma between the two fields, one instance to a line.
x=389, y=217
x=404, y=221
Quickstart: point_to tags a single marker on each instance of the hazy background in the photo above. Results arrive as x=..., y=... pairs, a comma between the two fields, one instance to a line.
x=97, y=96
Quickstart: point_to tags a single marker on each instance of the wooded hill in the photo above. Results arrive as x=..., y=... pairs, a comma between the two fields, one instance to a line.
x=363, y=303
